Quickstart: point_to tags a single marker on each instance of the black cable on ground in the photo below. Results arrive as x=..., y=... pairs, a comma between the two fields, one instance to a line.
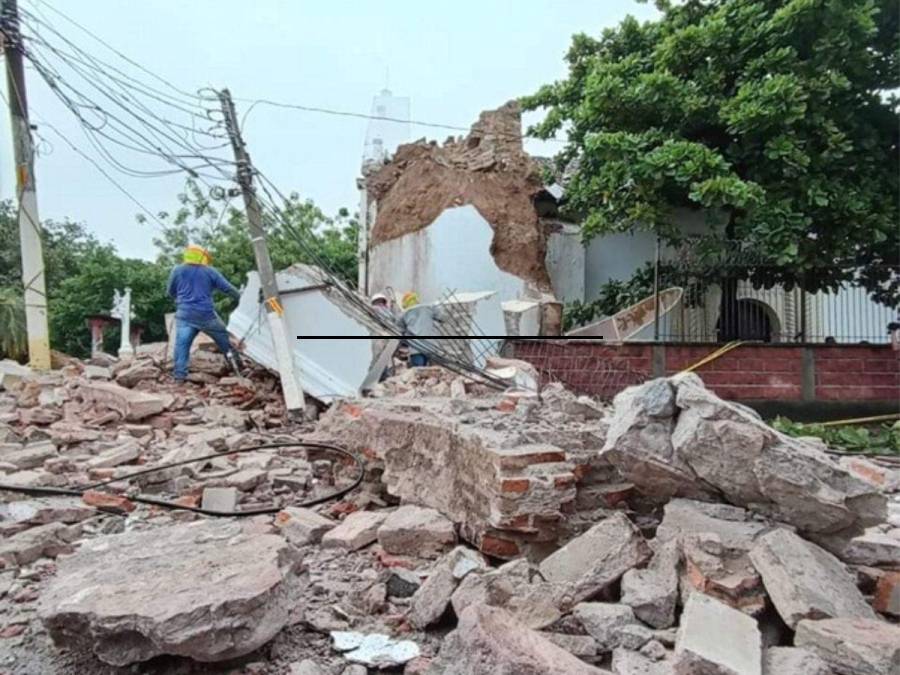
x=153, y=501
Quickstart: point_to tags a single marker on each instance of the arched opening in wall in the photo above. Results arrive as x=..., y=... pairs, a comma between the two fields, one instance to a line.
x=754, y=320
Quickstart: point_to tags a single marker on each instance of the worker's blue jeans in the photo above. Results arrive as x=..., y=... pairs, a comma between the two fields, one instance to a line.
x=186, y=330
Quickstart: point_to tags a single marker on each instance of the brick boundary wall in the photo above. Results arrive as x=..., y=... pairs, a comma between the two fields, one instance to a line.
x=756, y=372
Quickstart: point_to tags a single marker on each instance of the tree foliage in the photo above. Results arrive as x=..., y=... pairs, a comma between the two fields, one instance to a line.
x=773, y=116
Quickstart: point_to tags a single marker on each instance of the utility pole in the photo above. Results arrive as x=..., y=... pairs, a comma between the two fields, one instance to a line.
x=28, y=221
x=290, y=381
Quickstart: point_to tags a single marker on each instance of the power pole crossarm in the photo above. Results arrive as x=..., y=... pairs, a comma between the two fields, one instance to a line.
x=28, y=221
x=290, y=380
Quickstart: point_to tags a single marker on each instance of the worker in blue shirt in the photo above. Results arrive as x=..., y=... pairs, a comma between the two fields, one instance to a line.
x=191, y=285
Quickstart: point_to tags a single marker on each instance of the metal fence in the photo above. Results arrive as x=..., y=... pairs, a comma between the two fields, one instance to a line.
x=745, y=300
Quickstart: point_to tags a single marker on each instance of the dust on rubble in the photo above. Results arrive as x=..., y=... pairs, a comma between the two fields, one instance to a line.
x=488, y=169
x=494, y=532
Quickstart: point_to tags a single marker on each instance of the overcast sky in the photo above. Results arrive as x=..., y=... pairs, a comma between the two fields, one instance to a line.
x=452, y=59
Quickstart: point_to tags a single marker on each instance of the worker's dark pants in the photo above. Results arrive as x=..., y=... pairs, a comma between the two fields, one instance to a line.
x=186, y=330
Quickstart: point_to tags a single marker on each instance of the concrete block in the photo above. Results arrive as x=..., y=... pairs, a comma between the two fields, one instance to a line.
x=357, y=530
x=715, y=639
x=132, y=405
x=416, y=531
x=303, y=526
x=853, y=646
x=128, y=452
x=805, y=581
x=221, y=499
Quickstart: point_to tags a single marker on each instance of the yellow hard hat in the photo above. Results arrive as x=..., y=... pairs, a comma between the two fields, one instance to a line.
x=410, y=299
x=197, y=255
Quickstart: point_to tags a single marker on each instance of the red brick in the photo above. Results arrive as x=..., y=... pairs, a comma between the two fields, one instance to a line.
x=192, y=501
x=850, y=379
x=887, y=594
x=882, y=365
x=564, y=482
x=498, y=548
x=515, y=485
x=13, y=630
x=108, y=502
x=507, y=405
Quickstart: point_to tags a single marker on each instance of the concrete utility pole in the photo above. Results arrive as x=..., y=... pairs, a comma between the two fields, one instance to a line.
x=29, y=223
x=290, y=380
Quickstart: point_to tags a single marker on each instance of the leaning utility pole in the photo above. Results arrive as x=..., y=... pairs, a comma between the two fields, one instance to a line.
x=290, y=381
x=29, y=224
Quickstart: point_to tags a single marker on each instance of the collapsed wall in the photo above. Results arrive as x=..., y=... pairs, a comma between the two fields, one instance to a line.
x=488, y=169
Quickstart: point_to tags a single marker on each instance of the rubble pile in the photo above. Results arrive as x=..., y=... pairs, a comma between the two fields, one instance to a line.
x=494, y=532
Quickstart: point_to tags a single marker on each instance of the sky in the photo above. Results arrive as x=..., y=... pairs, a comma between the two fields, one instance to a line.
x=452, y=59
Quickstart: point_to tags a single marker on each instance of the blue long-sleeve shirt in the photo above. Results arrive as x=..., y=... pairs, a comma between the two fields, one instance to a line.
x=192, y=288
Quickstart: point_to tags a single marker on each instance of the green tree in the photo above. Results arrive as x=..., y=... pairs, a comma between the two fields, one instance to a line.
x=101, y=272
x=775, y=117
x=13, y=339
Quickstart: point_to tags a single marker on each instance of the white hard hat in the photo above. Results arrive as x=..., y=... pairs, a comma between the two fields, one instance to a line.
x=379, y=296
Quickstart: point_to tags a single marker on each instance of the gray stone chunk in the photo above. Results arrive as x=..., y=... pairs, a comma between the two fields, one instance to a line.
x=357, y=530
x=653, y=592
x=715, y=639
x=128, y=452
x=226, y=593
x=307, y=667
x=579, y=645
x=612, y=625
x=31, y=456
x=853, y=646
x=303, y=526
x=805, y=581
x=516, y=588
x=220, y=499
x=793, y=661
x=627, y=662
x=489, y=640
x=598, y=558
x=246, y=479
x=731, y=524
x=27, y=546
x=432, y=599
x=417, y=531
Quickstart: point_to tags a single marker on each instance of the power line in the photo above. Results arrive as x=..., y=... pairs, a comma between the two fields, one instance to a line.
x=380, y=118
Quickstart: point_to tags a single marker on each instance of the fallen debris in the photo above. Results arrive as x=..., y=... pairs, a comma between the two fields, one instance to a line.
x=714, y=638
x=856, y=646
x=489, y=640
x=204, y=590
x=416, y=531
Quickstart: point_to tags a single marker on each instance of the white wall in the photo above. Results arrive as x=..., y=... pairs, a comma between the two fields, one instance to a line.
x=451, y=254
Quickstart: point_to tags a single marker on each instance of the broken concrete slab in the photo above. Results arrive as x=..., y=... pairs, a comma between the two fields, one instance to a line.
x=246, y=480
x=852, y=646
x=715, y=639
x=599, y=557
x=627, y=662
x=612, y=625
x=806, y=582
x=106, y=597
x=132, y=405
x=30, y=456
x=374, y=650
x=724, y=573
x=793, y=661
x=127, y=452
x=876, y=549
x=97, y=372
x=731, y=524
x=25, y=547
x=653, y=592
x=515, y=587
x=489, y=640
x=577, y=645
x=137, y=372
x=355, y=531
x=433, y=597
x=302, y=526
x=705, y=447
x=417, y=531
